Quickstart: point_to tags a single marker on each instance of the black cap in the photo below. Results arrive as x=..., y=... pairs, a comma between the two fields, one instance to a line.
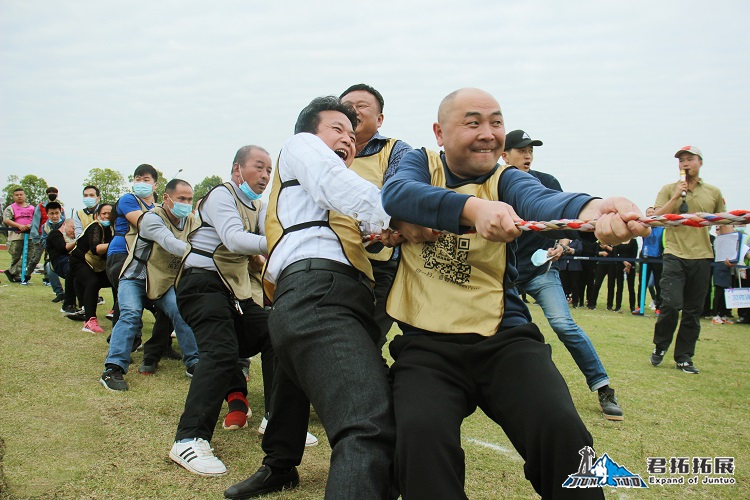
x=519, y=139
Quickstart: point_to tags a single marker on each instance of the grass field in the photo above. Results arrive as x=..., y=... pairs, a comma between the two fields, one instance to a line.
x=64, y=436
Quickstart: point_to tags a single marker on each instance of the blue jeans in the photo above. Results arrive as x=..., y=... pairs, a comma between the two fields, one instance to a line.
x=131, y=295
x=54, y=279
x=548, y=292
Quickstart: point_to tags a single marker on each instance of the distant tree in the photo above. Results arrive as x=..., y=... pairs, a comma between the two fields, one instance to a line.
x=110, y=182
x=34, y=187
x=160, y=184
x=203, y=187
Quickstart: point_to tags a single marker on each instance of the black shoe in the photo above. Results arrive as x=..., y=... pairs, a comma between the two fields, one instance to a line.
x=99, y=300
x=137, y=341
x=657, y=356
x=263, y=481
x=59, y=297
x=608, y=403
x=688, y=367
x=148, y=366
x=76, y=316
x=11, y=278
x=68, y=309
x=113, y=379
x=170, y=353
x=190, y=370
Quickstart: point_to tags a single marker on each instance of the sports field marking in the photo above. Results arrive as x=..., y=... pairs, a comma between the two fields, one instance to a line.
x=496, y=447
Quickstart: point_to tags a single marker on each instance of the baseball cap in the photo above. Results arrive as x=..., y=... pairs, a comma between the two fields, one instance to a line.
x=519, y=139
x=688, y=149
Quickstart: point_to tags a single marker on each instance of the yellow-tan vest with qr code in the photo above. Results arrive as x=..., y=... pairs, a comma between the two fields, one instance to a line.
x=456, y=284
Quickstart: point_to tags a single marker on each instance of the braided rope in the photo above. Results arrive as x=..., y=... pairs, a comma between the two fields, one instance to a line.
x=699, y=219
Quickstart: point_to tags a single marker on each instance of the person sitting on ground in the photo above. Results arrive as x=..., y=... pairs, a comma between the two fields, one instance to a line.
x=60, y=242
x=88, y=261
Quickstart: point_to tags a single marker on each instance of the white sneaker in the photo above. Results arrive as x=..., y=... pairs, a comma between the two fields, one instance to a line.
x=310, y=440
x=197, y=457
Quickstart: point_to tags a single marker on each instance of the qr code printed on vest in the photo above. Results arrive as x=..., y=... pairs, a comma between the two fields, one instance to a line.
x=448, y=256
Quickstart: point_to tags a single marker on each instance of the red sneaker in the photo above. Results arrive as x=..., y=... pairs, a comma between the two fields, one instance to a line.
x=92, y=325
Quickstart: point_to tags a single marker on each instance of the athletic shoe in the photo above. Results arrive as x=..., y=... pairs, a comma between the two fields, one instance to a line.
x=657, y=357
x=636, y=311
x=688, y=367
x=716, y=320
x=59, y=298
x=262, y=482
x=113, y=379
x=173, y=334
x=25, y=282
x=76, y=316
x=11, y=278
x=92, y=326
x=99, y=300
x=110, y=314
x=170, y=353
x=236, y=419
x=727, y=321
x=608, y=403
x=246, y=373
x=68, y=309
x=148, y=367
x=310, y=440
x=190, y=370
x=657, y=312
x=46, y=282
x=197, y=456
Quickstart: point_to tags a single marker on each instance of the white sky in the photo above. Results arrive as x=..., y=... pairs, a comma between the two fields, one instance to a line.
x=612, y=88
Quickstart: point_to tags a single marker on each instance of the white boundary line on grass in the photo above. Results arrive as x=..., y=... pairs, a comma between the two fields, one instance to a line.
x=496, y=447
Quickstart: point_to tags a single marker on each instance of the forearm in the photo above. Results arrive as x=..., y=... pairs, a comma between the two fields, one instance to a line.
x=152, y=228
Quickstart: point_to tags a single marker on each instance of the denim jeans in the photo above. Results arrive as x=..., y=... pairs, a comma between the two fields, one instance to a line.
x=54, y=279
x=548, y=293
x=131, y=295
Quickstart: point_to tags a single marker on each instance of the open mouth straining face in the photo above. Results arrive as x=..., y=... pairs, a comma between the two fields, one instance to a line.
x=342, y=153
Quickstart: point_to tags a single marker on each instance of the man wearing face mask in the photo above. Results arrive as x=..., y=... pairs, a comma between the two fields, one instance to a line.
x=85, y=216
x=214, y=296
x=148, y=275
x=36, y=247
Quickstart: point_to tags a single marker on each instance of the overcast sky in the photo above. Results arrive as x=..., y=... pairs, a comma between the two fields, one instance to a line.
x=612, y=88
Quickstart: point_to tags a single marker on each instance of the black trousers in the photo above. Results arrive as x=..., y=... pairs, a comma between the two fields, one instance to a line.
x=439, y=380
x=62, y=267
x=222, y=335
x=629, y=283
x=384, y=274
x=573, y=285
x=589, y=282
x=683, y=288
x=607, y=270
x=89, y=283
x=652, y=269
x=161, y=337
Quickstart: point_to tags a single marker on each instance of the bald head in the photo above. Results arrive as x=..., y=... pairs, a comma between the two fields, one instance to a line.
x=458, y=97
x=470, y=130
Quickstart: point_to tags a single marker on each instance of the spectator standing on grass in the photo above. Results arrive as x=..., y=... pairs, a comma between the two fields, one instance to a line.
x=544, y=285
x=18, y=216
x=571, y=275
x=605, y=269
x=651, y=251
x=688, y=257
x=626, y=271
x=88, y=261
x=468, y=340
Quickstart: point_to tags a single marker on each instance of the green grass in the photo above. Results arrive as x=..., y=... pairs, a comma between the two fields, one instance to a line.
x=63, y=436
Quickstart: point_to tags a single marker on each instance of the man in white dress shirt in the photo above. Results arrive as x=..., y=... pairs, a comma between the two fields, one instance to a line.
x=321, y=324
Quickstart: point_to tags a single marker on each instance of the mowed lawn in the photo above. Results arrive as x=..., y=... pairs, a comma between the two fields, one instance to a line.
x=64, y=436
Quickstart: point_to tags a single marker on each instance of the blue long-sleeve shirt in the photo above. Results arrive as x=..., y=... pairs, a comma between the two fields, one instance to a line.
x=410, y=197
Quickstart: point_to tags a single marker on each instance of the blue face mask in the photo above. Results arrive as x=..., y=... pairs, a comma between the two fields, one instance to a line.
x=245, y=188
x=143, y=189
x=89, y=202
x=181, y=210
x=104, y=223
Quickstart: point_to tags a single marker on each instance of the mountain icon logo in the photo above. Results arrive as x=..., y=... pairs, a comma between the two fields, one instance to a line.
x=602, y=472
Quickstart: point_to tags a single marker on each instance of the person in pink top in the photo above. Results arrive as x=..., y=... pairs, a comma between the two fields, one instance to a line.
x=17, y=216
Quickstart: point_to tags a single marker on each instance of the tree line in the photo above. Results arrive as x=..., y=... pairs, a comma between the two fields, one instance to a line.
x=111, y=183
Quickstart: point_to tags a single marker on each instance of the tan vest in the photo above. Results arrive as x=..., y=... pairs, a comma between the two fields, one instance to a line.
x=232, y=267
x=162, y=266
x=346, y=229
x=372, y=168
x=97, y=262
x=455, y=284
x=132, y=233
x=85, y=218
